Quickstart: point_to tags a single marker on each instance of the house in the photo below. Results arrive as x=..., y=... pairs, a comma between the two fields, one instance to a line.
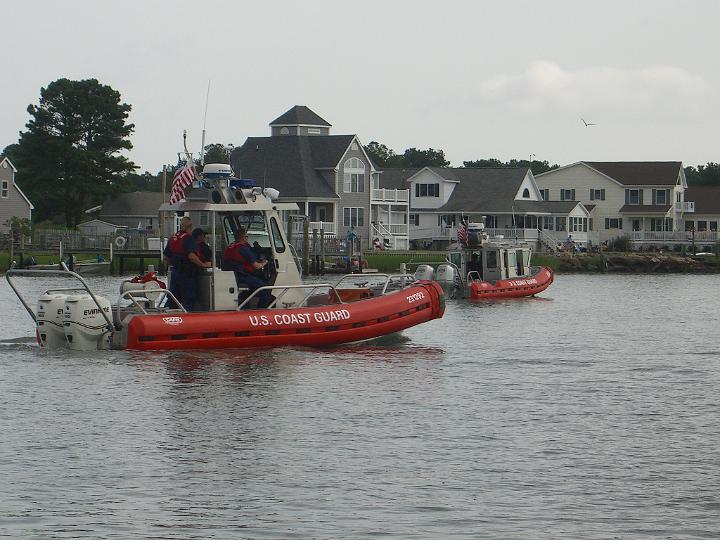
x=507, y=199
x=647, y=201
x=702, y=224
x=137, y=210
x=13, y=202
x=331, y=178
x=96, y=227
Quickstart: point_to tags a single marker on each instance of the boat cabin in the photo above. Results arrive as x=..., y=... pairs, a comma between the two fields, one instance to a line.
x=232, y=204
x=490, y=260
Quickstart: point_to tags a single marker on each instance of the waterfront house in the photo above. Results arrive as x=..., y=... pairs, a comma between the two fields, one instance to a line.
x=331, y=178
x=701, y=226
x=507, y=199
x=646, y=201
x=13, y=202
x=136, y=210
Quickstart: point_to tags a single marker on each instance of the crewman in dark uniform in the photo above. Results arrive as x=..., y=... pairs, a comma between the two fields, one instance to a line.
x=240, y=258
x=474, y=264
x=180, y=253
x=203, y=250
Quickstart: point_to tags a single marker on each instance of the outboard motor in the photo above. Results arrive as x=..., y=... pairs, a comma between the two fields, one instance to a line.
x=51, y=308
x=446, y=275
x=424, y=271
x=85, y=326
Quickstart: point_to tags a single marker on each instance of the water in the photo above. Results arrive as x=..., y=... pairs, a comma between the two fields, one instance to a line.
x=591, y=412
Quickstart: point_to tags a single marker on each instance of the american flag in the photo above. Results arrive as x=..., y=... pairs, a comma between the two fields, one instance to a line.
x=462, y=232
x=183, y=178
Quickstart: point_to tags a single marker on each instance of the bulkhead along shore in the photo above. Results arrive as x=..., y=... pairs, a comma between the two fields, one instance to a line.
x=633, y=263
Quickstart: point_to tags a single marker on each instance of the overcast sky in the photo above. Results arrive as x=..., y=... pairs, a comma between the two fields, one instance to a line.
x=477, y=79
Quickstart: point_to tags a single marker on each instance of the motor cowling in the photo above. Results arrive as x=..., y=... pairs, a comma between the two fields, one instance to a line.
x=86, y=329
x=446, y=274
x=424, y=272
x=50, y=318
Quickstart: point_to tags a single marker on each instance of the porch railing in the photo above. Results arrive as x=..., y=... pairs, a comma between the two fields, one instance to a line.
x=674, y=236
x=327, y=226
x=390, y=195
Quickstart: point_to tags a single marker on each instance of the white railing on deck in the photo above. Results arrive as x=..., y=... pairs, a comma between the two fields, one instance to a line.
x=674, y=236
x=327, y=226
x=390, y=195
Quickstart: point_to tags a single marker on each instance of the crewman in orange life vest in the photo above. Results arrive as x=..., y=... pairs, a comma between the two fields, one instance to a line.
x=180, y=251
x=240, y=258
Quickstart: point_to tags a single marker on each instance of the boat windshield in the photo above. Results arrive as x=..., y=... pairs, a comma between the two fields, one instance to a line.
x=253, y=222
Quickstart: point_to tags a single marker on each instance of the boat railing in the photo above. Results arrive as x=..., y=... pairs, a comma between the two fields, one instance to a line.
x=402, y=277
x=133, y=296
x=285, y=288
x=63, y=272
x=473, y=275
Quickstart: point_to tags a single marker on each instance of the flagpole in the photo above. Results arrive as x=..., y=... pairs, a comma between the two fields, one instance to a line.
x=202, y=143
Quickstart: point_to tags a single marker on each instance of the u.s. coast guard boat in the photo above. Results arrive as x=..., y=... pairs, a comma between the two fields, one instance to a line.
x=483, y=268
x=301, y=314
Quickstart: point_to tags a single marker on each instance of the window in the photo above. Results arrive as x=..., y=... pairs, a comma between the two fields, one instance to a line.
x=613, y=223
x=634, y=196
x=578, y=224
x=353, y=217
x=284, y=131
x=545, y=194
x=4, y=189
x=491, y=222
x=415, y=220
x=636, y=225
x=560, y=223
x=491, y=259
x=313, y=131
x=548, y=223
x=661, y=196
x=446, y=220
x=203, y=219
x=660, y=224
x=689, y=226
x=597, y=194
x=701, y=225
x=354, y=176
x=277, y=236
x=567, y=194
x=526, y=193
x=427, y=190
x=713, y=226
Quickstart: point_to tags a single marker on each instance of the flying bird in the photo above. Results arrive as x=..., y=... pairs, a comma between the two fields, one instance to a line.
x=587, y=123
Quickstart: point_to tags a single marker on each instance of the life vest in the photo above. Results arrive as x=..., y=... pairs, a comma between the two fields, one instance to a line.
x=175, y=245
x=232, y=255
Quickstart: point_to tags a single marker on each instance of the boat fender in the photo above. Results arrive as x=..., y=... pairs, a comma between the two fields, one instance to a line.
x=120, y=242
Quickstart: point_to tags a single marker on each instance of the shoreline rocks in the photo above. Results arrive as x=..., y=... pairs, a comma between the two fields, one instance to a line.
x=647, y=263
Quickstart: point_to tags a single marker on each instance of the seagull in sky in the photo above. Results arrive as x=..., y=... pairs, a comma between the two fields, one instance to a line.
x=587, y=124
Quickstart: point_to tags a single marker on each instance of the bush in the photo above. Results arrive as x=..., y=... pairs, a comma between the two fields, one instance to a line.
x=619, y=243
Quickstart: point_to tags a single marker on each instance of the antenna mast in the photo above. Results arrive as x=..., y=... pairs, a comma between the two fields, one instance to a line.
x=202, y=143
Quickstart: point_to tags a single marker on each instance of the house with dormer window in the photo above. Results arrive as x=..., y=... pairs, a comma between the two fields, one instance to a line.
x=508, y=200
x=331, y=178
x=647, y=201
x=13, y=202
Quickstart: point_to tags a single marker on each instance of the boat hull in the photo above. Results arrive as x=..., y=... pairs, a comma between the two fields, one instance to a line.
x=308, y=326
x=540, y=278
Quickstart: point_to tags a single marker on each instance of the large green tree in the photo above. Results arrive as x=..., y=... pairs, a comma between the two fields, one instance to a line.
x=69, y=159
x=384, y=157
x=537, y=166
x=703, y=175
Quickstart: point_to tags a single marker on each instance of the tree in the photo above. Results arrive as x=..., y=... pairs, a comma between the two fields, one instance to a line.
x=703, y=175
x=384, y=157
x=69, y=158
x=216, y=153
x=537, y=166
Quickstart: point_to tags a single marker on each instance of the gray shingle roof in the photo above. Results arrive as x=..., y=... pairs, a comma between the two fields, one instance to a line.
x=636, y=173
x=299, y=115
x=137, y=203
x=290, y=164
x=644, y=209
x=486, y=190
x=706, y=199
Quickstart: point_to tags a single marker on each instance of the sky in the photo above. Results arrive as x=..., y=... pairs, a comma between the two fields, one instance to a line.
x=477, y=79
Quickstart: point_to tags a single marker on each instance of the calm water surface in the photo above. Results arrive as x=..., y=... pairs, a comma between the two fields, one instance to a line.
x=591, y=412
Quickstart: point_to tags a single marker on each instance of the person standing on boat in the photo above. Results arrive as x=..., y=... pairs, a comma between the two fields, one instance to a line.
x=240, y=258
x=180, y=253
x=203, y=250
